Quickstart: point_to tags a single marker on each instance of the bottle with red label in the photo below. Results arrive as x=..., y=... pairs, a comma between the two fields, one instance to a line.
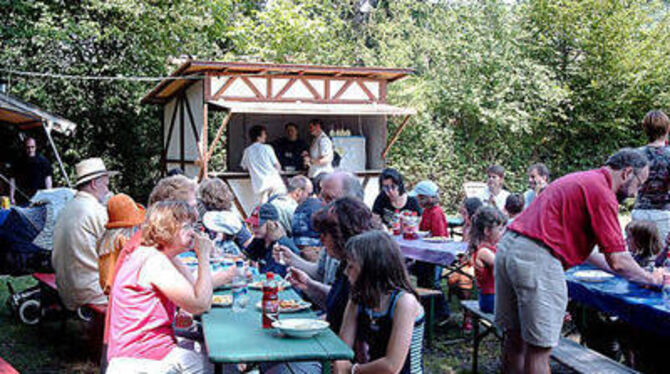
x=395, y=223
x=270, y=301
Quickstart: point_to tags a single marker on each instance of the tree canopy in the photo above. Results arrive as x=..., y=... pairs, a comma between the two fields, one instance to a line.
x=562, y=82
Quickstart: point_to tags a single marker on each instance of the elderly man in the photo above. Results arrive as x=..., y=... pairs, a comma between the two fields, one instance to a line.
x=299, y=189
x=558, y=231
x=30, y=173
x=261, y=161
x=334, y=186
x=79, y=226
x=321, y=153
x=538, y=178
x=494, y=194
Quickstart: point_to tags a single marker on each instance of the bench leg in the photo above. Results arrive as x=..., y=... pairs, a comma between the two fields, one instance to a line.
x=431, y=322
x=326, y=369
x=475, y=345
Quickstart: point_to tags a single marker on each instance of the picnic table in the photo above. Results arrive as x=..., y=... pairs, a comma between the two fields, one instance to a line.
x=239, y=337
x=638, y=306
x=438, y=253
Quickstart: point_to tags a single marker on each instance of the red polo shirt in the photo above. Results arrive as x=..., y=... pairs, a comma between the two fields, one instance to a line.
x=434, y=220
x=573, y=214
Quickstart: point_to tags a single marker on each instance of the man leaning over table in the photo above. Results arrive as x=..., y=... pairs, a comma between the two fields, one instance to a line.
x=558, y=231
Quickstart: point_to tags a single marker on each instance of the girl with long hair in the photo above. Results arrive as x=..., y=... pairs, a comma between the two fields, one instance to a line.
x=487, y=228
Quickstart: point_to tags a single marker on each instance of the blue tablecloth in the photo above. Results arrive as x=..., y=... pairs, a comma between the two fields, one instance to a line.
x=640, y=307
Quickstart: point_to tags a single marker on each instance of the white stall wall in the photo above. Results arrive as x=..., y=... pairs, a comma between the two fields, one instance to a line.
x=191, y=146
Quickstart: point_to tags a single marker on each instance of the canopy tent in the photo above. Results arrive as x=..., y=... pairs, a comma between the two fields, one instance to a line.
x=345, y=98
x=25, y=116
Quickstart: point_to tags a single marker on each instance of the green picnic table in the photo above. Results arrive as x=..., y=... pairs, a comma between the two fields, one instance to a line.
x=239, y=337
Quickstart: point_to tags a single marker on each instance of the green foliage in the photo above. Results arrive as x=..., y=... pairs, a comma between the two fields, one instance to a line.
x=563, y=82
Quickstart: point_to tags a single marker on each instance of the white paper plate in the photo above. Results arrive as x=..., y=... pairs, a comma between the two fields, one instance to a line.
x=299, y=306
x=593, y=275
x=300, y=327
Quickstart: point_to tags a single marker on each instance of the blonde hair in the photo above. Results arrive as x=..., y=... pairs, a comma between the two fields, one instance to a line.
x=215, y=194
x=176, y=187
x=163, y=221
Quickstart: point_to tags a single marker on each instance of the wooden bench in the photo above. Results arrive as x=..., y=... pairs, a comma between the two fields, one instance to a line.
x=6, y=368
x=430, y=295
x=48, y=281
x=567, y=353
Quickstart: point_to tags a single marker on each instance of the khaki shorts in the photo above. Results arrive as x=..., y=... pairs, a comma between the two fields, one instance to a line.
x=531, y=294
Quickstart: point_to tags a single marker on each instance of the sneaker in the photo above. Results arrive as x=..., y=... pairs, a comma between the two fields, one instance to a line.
x=467, y=326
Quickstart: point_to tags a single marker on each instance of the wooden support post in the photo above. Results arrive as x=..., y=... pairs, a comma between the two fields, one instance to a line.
x=236, y=201
x=219, y=133
x=395, y=136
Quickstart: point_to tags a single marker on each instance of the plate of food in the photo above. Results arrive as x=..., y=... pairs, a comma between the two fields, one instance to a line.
x=281, y=285
x=222, y=300
x=300, y=327
x=593, y=275
x=437, y=239
x=289, y=306
x=189, y=261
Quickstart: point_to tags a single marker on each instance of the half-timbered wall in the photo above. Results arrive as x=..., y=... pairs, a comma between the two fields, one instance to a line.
x=182, y=129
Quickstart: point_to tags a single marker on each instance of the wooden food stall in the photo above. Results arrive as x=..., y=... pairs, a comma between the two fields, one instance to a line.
x=349, y=100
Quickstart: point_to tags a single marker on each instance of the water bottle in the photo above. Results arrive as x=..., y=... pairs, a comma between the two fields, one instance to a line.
x=240, y=292
x=666, y=282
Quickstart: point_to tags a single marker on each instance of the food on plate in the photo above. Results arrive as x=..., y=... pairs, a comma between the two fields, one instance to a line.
x=437, y=239
x=222, y=300
x=593, y=275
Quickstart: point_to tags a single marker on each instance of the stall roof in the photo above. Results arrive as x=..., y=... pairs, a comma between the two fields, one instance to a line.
x=26, y=116
x=166, y=88
x=312, y=109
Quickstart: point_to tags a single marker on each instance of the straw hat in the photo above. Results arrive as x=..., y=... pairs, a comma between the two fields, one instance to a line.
x=92, y=168
x=123, y=212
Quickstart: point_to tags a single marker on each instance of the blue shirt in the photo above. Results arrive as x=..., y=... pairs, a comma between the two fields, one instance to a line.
x=303, y=230
x=257, y=251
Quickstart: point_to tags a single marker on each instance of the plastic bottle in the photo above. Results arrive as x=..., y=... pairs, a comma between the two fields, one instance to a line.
x=395, y=223
x=270, y=301
x=666, y=282
x=240, y=291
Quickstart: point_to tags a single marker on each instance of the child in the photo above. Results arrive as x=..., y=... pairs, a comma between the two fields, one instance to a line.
x=513, y=206
x=487, y=228
x=268, y=233
x=383, y=310
x=433, y=219
x=230, y=233
x=644, y=242
x=467, y=211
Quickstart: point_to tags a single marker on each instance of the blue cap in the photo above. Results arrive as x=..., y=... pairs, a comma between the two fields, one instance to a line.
x=267, y=212
x=426, y=188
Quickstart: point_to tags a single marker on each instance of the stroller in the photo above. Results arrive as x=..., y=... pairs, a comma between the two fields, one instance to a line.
x=25, y=248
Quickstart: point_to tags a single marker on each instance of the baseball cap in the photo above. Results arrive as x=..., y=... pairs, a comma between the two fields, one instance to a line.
x=426, y=188
x=267, y=212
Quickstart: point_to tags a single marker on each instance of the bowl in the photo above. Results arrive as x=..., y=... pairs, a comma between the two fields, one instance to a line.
x=301, y=327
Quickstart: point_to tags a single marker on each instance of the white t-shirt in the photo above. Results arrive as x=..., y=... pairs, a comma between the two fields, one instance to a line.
x=260, y=160
x=500, y=198
x=321, y=146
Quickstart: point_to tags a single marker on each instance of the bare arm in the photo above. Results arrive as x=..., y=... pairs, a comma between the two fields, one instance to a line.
x=48, y=183
x=485, y=257
x=317, y=291
x=623, y=264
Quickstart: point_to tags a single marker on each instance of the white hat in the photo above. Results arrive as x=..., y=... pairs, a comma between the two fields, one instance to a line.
x=222, y=221
x=90, y=169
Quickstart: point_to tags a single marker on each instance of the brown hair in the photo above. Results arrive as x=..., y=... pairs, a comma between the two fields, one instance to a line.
x=496, y=170
x=486, y=217
x=382, y=268
x=646, y=238
x=343, y=219
x=163, y=221
x=176, y=187
x=215, y=194
x=655, y=124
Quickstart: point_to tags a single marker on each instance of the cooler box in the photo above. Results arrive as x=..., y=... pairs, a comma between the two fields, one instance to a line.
x=352, y=152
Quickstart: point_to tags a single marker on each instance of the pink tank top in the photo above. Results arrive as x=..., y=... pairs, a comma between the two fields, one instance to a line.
x=141, y=317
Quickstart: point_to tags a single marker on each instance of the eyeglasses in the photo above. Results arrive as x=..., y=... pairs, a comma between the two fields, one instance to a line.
x=389, y=187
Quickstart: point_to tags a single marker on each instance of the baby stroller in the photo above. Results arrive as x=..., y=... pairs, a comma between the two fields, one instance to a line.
x=25, y=248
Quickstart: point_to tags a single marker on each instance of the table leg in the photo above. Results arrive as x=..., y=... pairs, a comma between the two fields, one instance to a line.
x=431, y=322
x=325, y=368
x=218, y=368
x=475, y=345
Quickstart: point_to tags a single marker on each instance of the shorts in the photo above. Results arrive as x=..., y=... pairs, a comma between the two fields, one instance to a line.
x=486, y=302
x=531, y=293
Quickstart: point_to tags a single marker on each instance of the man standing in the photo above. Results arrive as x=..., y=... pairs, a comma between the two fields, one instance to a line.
x=321, y=153
x=494, y=194
x=31, y=173
x=261, y=161
x=558, y=231
x=538, y=179
x=290, y=148
x=79, y=226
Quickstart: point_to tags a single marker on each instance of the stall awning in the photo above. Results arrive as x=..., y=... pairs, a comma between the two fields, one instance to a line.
x=24, y=115
x=312, y=108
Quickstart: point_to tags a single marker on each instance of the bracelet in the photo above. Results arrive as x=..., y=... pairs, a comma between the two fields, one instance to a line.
x=354, y=369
